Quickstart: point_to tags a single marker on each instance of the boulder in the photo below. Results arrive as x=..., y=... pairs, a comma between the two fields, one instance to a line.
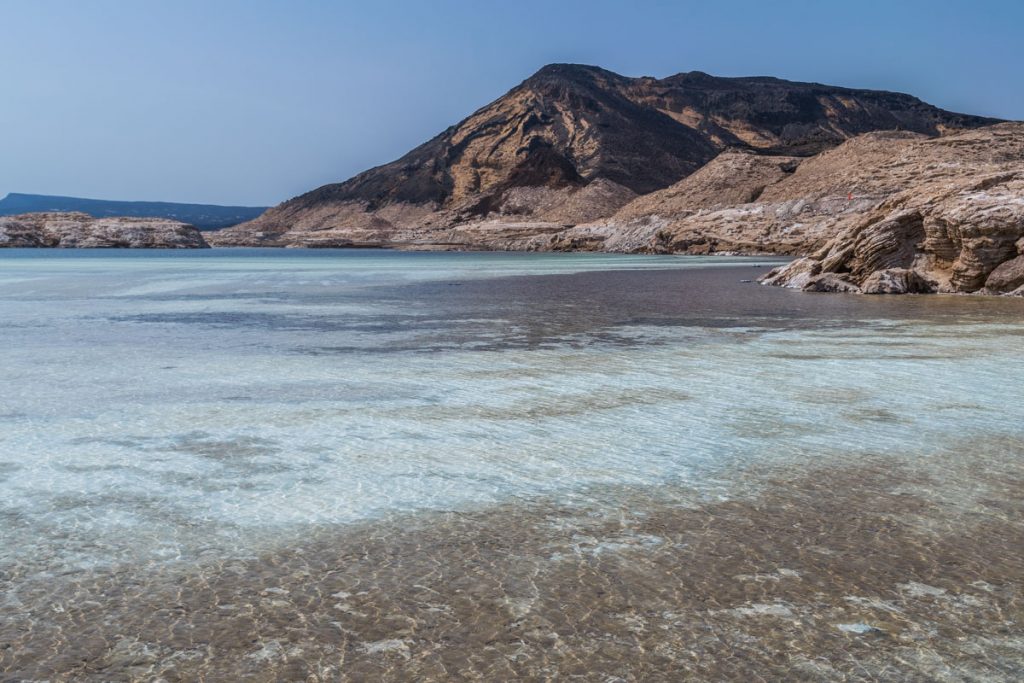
x=833, y=283
x=796, y=275
x=896, y=281
x=1006, y=277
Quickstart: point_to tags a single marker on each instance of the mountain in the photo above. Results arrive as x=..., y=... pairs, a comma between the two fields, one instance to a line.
x=571, y=145
x=202, y=216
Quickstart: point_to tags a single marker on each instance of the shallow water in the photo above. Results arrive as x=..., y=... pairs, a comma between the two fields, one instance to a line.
x=168, y=412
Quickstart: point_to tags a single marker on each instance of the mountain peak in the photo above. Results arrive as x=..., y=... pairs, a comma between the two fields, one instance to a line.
x=578, y=75
x=569, y=70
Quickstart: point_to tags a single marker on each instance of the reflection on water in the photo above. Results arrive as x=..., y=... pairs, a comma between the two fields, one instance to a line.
x=488, y=456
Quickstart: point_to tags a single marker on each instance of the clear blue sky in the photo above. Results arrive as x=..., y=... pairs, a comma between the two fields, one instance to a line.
x=251, y=102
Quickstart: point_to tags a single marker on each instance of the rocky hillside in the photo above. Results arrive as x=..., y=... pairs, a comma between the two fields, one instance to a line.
x=571, y=145
x=80, y=230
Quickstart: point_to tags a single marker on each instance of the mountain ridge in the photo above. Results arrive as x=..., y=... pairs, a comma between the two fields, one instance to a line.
x=202, y=216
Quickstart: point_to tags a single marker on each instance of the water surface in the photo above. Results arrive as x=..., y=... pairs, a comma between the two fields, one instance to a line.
x=167, y=414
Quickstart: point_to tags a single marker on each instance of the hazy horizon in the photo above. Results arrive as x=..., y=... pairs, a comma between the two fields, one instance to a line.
x=252, y=103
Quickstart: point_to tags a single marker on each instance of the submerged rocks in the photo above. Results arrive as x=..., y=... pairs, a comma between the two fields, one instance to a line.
x=79, y=230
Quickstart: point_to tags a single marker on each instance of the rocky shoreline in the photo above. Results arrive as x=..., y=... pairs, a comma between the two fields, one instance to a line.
x=81, y=231
x=958, y=227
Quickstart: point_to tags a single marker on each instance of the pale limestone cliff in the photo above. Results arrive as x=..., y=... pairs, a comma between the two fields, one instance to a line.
x=79, y=230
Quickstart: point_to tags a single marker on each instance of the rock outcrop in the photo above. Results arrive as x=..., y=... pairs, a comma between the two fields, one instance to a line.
x=574, y=144
x=79, y=230
x=957, y=225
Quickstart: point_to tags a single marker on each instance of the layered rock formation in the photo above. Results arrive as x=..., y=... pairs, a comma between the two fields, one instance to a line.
x=571, y=145
x=885, y=212
x=952, y=221
x=79, y=230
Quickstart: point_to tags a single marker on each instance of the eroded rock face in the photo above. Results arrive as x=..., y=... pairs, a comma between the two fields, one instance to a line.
x=79, y=230
x=573, y=144
x=955, y=238
x=955, y=228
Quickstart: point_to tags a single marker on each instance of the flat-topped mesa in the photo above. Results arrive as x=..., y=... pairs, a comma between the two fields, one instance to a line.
x=516, y=166
x=79, y=230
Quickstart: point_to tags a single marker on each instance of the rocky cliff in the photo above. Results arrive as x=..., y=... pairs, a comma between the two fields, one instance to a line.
x=947, y=216
x=573, y=144
x=71, y=230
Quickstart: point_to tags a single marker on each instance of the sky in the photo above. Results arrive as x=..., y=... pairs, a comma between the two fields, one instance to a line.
x=252, y=102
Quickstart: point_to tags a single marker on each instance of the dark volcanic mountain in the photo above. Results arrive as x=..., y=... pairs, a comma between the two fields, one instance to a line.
x=573, y=143
x=202, y=216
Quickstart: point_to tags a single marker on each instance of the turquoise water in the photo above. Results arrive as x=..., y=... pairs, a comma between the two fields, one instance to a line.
x=176, y=406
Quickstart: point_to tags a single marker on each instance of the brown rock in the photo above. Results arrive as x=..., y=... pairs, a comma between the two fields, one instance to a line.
x=796, y=274
x=800, y=212
x=1007, y=276
x=954, y=227
x=733, y=177
x=896, y=281
x=831, y=282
